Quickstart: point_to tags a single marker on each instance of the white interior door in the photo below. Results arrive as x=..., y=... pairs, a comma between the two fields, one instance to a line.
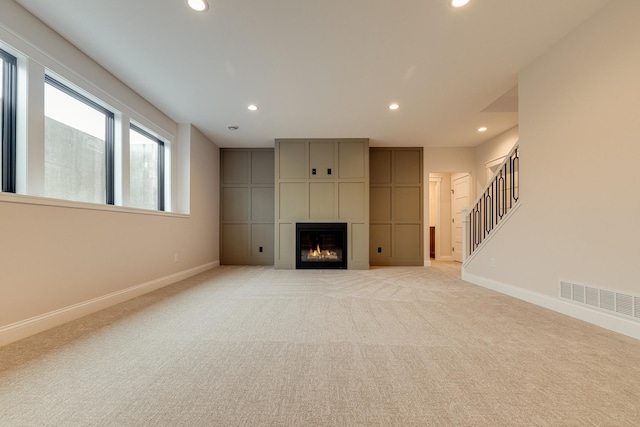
x=459, y=200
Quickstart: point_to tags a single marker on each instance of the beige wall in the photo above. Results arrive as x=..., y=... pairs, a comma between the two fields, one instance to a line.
x=54, y=257
x=448, y=160
x=579, y=140
x=58, y=259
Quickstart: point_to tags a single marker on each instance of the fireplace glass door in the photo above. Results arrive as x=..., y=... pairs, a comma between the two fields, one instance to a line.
x=321, y=245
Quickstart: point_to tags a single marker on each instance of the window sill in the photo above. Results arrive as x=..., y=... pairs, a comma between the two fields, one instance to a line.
x=70, y=204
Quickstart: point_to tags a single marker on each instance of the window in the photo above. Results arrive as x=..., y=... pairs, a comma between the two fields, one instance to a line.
x=8, y=90
x=146, y=175
x=78, y=146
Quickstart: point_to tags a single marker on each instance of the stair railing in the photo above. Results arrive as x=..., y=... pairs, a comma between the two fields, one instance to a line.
x=497, y=200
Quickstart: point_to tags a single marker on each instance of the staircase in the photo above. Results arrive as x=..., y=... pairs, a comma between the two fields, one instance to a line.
x=498, y=201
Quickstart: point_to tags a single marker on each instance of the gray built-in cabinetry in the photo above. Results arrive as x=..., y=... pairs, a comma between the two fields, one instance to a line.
x=378, y=192
x=246, y=206
x=396, y=209
x=322, y=180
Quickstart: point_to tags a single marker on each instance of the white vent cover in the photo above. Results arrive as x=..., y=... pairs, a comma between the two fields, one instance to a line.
x=611, y=301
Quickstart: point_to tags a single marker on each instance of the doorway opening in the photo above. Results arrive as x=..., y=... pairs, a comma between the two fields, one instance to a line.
x=448, y=194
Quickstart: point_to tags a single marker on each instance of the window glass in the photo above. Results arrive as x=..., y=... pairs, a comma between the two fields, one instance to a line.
x=8, y=106
x=75, y=148
x=144, y=172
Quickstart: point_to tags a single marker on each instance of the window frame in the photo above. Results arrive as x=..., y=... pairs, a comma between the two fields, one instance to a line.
x=109, y=133
x=9, y=121
x=161, y=161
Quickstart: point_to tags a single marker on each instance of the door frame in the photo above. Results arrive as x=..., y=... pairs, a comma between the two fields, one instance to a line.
x=438, y=203
x=455, y=176
x=436, y=208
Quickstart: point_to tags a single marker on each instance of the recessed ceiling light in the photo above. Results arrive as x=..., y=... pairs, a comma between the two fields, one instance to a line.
x=482, y=129
x=459, y=3
x=253, y=107
x=199, y=5
x=394, y=106
x=233, y=127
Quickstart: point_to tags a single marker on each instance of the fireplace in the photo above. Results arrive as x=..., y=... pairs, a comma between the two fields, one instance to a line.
x=321, y=245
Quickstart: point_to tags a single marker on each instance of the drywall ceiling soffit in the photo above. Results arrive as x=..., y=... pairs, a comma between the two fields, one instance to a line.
x=322, y=69
x=507, y=103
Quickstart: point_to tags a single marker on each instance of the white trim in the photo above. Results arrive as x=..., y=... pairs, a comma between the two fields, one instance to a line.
x=495, y=162
x=19, y=330
x=71, y=204
x=595, y=317
x=455, y=177
x=437, y=196
x=427, y=262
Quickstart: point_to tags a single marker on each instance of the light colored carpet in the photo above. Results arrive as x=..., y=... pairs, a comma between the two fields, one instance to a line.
x=252, y=346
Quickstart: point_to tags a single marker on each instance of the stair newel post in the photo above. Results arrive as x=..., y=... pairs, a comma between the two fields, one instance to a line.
x=466, y=233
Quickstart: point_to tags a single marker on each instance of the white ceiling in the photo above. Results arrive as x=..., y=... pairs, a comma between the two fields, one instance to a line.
x=322, y=68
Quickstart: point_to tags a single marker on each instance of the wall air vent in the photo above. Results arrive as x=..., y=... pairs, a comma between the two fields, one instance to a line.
x=624, y=304
x=614, y=302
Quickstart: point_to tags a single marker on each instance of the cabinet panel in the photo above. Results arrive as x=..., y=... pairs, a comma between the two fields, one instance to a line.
x=407, y=242
x=406, y=204
x=351, y=200
x=321, y=200
x=379, y=242
x=351, y=158
x=331, y=194
x=287, y=243
x=359, y=245
x=396, y=205
x=292, y=163
x=234, y=243
x=292, y=200
x=321, y=156
x=380, y=201
x=379, y=167
x=262, y=167
x=407, y=167
x=262, y=241
x=262, y=204
x=246, y=206
x=235, y=204
x=235, y=167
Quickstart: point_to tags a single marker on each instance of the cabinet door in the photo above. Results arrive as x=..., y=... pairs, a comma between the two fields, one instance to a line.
x=292, y=160
x=379, y=243
x=322, y=201
x=351, y=158
x=262, y=243
x=235, y=167
x=235, y=243
x=321, y=157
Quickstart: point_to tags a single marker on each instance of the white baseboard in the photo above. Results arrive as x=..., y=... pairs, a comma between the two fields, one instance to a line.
x=19, y=330
x=427, y=262
x=599, y=318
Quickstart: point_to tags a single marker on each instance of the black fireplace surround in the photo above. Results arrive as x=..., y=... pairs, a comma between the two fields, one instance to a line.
x=321, y=245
